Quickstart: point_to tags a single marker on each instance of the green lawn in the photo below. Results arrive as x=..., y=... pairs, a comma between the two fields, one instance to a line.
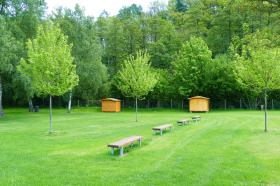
x=225, y=148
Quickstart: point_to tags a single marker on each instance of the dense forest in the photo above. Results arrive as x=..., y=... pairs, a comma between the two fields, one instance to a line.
x=195, y=46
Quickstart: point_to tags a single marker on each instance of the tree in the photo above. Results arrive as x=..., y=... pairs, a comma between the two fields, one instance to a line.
x=165, y=42
x=136, y=77
x=163, y=88
x=8, y=47
x=221, y=82
x=259, y=65
x=21, y=20
x=49, y=64
x=86, y=51
x=190, y=67
x=132, y=11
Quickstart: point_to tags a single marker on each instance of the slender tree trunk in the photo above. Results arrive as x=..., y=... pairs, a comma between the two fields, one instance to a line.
x=70, y=102
x=30, y=105
x=1, y=92
x=50, y=130
x=265, y=111
x=136, y=109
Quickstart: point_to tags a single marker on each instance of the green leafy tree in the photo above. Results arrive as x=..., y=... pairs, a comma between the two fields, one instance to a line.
x=220, y=82
x=49, y=64
x=165, y=42
x=259, y=65
x=22, y=18
x=163, y=89
x=132, y=11
x=8, y=47
x=81, y=31
x=190, y=67
x=136, y=78
x=114, y=45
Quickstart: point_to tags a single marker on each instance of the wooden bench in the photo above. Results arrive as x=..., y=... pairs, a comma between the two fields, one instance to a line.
x=125, y=142
x=196, y=118
x=183, y=121
x=162, y=128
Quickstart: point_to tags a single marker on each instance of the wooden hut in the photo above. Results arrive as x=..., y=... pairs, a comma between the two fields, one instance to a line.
x=111, y=105
x=199, y=104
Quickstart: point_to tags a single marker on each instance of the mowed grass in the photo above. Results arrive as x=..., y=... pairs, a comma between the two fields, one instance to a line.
x=225, y=148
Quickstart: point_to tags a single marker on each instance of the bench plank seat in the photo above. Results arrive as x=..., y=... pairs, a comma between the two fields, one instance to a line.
x=183, y=121
x=162, y=127
x=125, y=142
x=196, y=118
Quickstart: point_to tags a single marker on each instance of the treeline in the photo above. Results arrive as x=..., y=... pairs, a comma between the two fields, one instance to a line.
x=192, y=46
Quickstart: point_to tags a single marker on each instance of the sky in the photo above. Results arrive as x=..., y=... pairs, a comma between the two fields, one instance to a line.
x=95, y=7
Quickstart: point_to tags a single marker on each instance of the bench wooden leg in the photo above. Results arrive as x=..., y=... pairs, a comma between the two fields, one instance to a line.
x=140, y=142
x=113, y=151
x=121, y=151
x=170, y=129
x=161, y=132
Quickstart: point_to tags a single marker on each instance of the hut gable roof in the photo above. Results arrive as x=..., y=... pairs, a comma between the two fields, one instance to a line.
x=110, y=99
x=199, y=97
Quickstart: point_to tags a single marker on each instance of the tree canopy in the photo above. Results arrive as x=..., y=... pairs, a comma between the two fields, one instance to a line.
x=49, y=64
x=219, y=29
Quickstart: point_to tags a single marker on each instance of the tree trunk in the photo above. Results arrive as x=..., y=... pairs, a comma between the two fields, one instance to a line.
x=30, y=105
x=136, y=109
x=70, y=102
x=1, y=107
x=50, y=130
x=265, y=111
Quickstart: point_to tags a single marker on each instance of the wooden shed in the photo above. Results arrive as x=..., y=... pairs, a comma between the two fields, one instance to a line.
x=111, y=105
x=199, y=104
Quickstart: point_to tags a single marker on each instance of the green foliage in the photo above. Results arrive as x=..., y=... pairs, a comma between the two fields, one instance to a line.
x=81, y=31
x=165, y=42
x=132, y=11
x=259, y=66
x=136, y=77
x=162, y=89
x=49, y=64
x=220, y=82
x=101, y=45
x=8, y=48
x=8, y=57
x=114, y=44
x=190, y=67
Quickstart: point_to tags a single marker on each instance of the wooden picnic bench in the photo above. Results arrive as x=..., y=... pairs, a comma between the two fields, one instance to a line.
x=125, y=142
x=196, y=118
x=161, y=128
x=183, y=121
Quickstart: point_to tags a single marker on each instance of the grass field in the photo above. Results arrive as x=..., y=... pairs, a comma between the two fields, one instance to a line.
x=225, y=148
